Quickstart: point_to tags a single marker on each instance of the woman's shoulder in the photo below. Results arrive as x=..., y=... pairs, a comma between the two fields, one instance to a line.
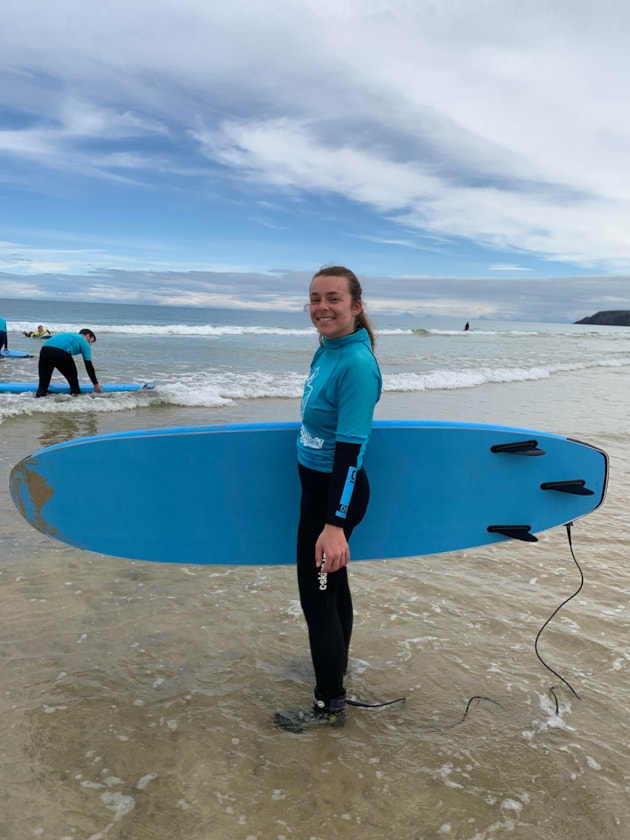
x=359, y=358
x=361, y=346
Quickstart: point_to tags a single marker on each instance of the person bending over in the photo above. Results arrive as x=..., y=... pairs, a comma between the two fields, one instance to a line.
x=57, y=353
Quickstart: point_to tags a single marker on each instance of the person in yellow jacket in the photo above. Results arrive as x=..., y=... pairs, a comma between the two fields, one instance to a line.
x=40, y=332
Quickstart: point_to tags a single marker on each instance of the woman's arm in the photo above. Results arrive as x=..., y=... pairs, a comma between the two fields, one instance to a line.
x=332, y=541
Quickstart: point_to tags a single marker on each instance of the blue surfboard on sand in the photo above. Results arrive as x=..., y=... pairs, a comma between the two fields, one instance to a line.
x=15, y=354
x=31, y=387
x=230, y=494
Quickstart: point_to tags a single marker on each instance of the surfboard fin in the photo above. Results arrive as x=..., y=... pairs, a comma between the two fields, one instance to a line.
x=514, y=532
x=518, y=447
x=577, y=487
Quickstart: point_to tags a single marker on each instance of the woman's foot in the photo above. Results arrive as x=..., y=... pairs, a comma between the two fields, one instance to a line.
x=322, y=713
x=303, y=719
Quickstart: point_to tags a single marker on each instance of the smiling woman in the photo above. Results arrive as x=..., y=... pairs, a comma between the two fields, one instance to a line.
x=337, y=409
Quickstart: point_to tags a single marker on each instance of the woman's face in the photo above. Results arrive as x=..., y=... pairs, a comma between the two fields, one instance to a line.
x=332, y=311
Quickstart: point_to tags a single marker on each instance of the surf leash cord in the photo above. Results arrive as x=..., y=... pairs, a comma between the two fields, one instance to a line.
x=359, y=704
x=482, y=698
x=552, y=690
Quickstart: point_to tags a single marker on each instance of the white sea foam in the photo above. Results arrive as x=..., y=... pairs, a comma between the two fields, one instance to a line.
x=211, y=330
x=16, y=405
x=453, y=379
x=227, y=330
x=219, y=388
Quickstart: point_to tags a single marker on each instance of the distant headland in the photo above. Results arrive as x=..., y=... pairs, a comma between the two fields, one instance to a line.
x=608, y=318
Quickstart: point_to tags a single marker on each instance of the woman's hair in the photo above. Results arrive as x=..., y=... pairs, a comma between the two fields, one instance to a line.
x=356, y=292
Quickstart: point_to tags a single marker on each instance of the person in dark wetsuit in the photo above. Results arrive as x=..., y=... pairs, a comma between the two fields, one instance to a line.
x=337, y=410
x=57, y=353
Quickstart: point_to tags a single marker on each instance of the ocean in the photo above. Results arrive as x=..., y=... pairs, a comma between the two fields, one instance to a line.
x=137, y=698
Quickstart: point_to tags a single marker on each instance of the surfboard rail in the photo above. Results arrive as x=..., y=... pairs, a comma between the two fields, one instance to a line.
x=59, y=388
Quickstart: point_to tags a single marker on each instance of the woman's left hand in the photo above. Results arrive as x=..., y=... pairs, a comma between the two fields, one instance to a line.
x=332, y=544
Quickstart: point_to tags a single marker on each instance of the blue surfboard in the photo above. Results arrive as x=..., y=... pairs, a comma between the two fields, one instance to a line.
x=15, y=354
x=31, y=387
x=230, y=494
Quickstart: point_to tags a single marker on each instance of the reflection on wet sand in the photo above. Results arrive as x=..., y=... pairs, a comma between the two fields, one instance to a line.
x=56, y=428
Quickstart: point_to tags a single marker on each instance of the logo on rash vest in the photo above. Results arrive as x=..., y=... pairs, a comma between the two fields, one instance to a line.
x=308, y=389
x=307, y=439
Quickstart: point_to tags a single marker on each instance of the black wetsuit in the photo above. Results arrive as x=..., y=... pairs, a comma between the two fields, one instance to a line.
x=328, y=611
x=340, y=393
x=53, y=357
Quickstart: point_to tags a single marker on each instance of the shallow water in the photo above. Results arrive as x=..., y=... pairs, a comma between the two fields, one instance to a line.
x=137, y=698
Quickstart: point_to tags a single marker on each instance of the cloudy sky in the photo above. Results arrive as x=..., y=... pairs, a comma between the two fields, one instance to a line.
x=467, y=155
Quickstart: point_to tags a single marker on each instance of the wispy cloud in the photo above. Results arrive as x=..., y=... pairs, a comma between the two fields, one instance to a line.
x=478, y=133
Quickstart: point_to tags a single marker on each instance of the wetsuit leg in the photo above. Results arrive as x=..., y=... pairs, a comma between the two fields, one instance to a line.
x=51, y=358
x=3, y=339
x=328, y=612
x=45, y=368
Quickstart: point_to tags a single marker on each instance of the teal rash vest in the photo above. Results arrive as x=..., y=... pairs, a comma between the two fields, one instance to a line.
x=340, y=393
